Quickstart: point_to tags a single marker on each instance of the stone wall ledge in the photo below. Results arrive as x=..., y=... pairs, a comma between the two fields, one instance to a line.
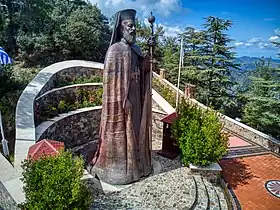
x=270, y=138
x=211, y=167
x=40, y=129
x=162, y=103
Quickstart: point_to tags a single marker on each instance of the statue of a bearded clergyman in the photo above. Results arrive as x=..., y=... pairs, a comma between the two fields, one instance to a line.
x=124, y=153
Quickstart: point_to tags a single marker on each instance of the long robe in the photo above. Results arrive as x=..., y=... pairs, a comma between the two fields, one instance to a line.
x=124, y=153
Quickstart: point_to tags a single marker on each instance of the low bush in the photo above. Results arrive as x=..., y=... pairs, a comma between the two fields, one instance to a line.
x=54, y=182
x=82, y=99
x=199, y=134
x=79, y=80
x=167, y=93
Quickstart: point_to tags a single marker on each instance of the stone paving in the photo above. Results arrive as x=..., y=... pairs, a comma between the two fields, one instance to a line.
x=247, y=177
x=235, y=141
x=169, y=190
x=6, y=200
x=172, y=188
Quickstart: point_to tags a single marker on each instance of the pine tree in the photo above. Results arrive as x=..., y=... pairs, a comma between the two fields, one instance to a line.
x=263, y=108
x=194, y=57
x=215, y=78
x=171, y=56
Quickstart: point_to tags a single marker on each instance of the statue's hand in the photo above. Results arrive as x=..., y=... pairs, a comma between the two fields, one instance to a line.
x=152, y=41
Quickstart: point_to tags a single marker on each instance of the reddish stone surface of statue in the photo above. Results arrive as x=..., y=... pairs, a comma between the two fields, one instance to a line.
x=124, y=153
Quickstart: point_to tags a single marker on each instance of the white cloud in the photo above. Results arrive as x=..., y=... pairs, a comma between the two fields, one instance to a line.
x=161, y=7
x=254, y=40
x=172, y=30
x=277, y=31
x=263, y=45
x=248, y=44
x=274, y=38
x=257, y=42
x=237, y=44
x=269, y=19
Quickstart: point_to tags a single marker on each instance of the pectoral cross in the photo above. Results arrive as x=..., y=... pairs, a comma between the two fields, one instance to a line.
x=136, y=75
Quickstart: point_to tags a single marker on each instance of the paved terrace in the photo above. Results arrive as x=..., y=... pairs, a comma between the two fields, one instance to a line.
x=247, y=169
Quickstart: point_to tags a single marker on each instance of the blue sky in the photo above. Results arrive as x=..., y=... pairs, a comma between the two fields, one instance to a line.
x=255, y=22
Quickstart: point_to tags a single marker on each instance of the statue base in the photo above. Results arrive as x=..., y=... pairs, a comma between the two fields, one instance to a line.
x=104, y=187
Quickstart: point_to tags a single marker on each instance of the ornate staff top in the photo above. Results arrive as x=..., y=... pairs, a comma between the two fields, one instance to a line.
x=151, y=20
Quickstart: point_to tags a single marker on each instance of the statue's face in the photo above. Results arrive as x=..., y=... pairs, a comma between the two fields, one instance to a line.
x=129, y=31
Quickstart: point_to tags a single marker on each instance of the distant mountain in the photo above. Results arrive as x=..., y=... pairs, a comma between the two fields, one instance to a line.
x=248, y=63
x=241, y=77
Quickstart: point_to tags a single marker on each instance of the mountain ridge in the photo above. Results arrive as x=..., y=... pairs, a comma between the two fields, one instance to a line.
x=248, y=63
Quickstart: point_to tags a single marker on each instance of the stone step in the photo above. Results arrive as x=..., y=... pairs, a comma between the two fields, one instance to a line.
x=222, y=198
x=202, y=202
x=212, y=195
x=243, y=152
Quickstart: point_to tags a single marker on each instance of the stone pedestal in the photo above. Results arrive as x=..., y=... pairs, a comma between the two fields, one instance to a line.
x=211, y=172
x=162, y=73
x=189, y=91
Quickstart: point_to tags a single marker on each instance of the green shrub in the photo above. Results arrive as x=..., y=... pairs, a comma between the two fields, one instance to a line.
x=83, y=99
x=166, y=92
x=62, y=106
x=55, y=183
x=199, y=134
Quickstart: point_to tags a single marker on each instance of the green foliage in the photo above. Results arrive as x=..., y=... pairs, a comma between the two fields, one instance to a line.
x=41, y=32
x=83, y=99
x=12, y=82
x=207, y=63
x=143, y=35
x=54, y=182
x=200, y=135
x=263, y=108
x=167, y=93
x=171, y=56
x=215, y=79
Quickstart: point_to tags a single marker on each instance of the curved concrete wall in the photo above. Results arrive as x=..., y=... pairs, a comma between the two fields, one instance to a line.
x=44, y=81
x=73, y=128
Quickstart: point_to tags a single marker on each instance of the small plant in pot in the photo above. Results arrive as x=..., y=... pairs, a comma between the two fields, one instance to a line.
x=199, y=134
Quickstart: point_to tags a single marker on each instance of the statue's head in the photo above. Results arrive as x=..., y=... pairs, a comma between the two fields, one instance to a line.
x=128, y=31
x=124, y=27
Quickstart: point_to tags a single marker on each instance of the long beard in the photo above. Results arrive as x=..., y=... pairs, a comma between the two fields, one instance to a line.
x=130, y=38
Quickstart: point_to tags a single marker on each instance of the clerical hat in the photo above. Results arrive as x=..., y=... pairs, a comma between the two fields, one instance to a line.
x=127, y=14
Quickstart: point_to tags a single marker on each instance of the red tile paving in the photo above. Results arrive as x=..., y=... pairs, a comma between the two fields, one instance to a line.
x=247, y=177
x=235, y=141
